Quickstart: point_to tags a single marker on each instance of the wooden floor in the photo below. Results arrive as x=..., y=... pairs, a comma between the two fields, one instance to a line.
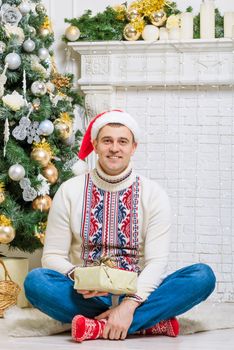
x=213, y=340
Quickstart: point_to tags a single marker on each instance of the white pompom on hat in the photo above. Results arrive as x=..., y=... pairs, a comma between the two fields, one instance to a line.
x=113, y=116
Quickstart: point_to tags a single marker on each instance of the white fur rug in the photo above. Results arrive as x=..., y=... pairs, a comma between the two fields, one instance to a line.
x=204, y=317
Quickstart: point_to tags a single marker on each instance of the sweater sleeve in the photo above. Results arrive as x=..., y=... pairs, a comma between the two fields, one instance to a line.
x=156, y=245
x=58, y=234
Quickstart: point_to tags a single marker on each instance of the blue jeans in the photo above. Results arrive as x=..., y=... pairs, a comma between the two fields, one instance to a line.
x=53, y=293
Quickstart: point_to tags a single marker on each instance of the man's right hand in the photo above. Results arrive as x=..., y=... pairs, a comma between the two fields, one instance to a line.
x=91, y=293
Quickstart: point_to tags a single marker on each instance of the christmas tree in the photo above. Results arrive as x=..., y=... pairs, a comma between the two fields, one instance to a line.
x=38, y=114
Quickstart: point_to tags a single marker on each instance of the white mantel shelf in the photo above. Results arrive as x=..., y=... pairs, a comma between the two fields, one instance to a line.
x=160, y=63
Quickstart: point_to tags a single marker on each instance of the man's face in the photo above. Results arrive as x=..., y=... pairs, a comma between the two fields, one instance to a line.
x=114, y=146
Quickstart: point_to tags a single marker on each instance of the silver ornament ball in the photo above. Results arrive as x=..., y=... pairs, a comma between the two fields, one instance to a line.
x=29, y=45
x=32, y=31
x=43, y=53
x=38, y=88
x=40, y=8
x=2, y=47
x=13, y=60
x=16, y=172
x=50, y=86
x=24, y=8
x=72, y=33
x=46, y=127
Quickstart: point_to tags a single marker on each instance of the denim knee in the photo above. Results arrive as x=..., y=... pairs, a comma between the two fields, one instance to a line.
x=31, y=281
x=206, y=276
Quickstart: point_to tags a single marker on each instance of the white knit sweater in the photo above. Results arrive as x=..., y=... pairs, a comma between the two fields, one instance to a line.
x=72, y=238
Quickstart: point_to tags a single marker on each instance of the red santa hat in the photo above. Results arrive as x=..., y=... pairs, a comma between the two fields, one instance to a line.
x=113, y=116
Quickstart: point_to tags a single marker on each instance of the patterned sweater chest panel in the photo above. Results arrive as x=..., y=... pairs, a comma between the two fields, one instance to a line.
x=110, y=226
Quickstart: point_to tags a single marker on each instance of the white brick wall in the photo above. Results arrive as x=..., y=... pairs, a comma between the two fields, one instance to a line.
x=187, y=147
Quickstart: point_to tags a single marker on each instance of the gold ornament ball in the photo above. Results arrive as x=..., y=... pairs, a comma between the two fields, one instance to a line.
x=158, y=18
x=130, y=33
x=41, y=237
x=132, y=15
x=2, y=197
x=64, y=129
x=40, y=8
x=42, y=203
x=41, y=156
x=44, y=31
x=72, y=33
x=50, y=173
x=7, y=234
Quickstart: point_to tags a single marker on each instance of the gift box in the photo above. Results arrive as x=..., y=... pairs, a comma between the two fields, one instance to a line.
x=18, y=270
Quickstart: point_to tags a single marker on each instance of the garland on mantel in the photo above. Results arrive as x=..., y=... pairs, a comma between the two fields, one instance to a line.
x=111, y=24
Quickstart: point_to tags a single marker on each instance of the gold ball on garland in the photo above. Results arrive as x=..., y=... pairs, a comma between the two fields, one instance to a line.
x=42, y=203
x=7, y=234
x=41, y=156
x=50, y=173
x=158, y=18
x=72, y=33
x=130, y=33
x=2, y=197
x=64, y=128
x=132, y=14
x=44, y=31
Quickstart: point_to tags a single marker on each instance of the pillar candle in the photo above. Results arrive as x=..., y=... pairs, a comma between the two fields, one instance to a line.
x=228, y=23
x=17, y=269
x=186, y=30
x=174, y=34
x=163, y=33
x=207, y=19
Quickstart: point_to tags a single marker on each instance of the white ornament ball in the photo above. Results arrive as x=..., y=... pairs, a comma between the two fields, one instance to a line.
x=13, y=60
x=24, y=8
x=32, y=31
x=29, y=45
x=38, y=88
x=150, y=33
x=72, y=33
x=16, y=172
x=50, y=86
x=43, y=53
x=46, y=127
x=2, y=47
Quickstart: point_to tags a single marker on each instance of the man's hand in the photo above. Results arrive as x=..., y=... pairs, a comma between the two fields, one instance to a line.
x=119, y=320
x=91, y=293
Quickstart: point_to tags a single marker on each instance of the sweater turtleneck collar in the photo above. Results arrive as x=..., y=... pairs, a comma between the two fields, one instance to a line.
x=112, y=183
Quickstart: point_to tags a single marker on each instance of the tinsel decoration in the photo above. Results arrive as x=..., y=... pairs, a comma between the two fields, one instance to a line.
x=47, y=25
x=60, y=81
x=121, y=11
x=146, y=7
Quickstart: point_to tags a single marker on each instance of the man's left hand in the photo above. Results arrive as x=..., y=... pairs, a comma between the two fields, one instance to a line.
x=119, y=320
